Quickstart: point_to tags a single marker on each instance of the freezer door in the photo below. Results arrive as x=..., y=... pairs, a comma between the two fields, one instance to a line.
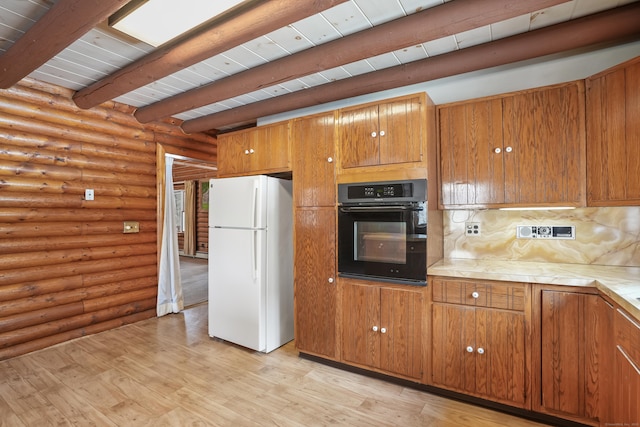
x=238, y=202
x=236, y=287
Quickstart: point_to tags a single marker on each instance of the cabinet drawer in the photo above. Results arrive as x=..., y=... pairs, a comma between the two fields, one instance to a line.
x=628, y=336
x=506, y=296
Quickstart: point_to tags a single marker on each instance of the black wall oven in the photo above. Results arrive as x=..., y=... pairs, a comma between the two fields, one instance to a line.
x=382, y=231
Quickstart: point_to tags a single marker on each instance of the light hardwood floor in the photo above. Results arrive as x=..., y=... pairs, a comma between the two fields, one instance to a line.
x=194, y=279
x=167, y=372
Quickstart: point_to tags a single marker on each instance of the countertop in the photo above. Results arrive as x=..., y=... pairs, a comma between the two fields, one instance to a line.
x=621, y=284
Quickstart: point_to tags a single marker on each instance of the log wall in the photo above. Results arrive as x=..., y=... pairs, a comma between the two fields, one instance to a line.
x=66, y=268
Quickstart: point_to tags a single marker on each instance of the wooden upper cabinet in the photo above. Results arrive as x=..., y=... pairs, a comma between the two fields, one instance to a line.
x=314, y=160
x=260, y=150
x=385, y=133
x=522, y=149
x=471, y=171
x=613, y=136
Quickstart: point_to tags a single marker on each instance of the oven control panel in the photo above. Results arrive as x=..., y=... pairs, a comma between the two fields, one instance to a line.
x=393, y=191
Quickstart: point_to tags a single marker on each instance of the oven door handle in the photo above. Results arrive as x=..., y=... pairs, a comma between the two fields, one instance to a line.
x=380, y=208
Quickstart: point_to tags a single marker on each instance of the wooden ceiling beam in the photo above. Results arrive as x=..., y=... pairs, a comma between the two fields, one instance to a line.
x=430, y=24
x=63, y=24
x=202, y=43
x=612, y=25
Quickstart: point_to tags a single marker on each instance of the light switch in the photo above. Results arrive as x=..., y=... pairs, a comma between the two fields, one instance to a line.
x=131, y=227
x=88, y=194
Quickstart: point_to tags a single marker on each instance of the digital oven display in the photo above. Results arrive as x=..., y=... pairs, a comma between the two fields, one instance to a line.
x=379, y=191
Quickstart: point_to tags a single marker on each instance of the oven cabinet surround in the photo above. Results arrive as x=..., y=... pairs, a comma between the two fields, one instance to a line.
x=383, y=327
x=570, y=332
x=384, y=135
x=613, y=131
x=480, y=339
x=255, y=151
x=518, y=149
x=314, y=199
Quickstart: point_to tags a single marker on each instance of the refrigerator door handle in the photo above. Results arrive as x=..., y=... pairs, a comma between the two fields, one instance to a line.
x=254, y=205
x=254, y=255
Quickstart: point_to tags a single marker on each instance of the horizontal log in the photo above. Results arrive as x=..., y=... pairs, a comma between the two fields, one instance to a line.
x=208, y=148
x=21, y=184
x=27, y=215
x=38, y=317
x=20, y=336
x=21, y=275
x=71, y=158
x=47, y=113
x=12, y=200
x=38, y=302
x=41, y=343
x=97, y=144
x=57, y=257
x=79, y=228
x=37, y=243
x=44, y=287
x=97, y=304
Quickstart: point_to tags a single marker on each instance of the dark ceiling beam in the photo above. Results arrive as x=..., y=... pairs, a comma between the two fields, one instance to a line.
x=431, y=24
x=613, y=25
x=200, y=44
x=63, y=24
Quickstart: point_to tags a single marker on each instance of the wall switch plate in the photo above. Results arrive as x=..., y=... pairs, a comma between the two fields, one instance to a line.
x=88, y=194
x=131, y=227
x=472, y=228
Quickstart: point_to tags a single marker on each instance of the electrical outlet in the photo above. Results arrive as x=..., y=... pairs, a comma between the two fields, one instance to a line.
x=88, y=194
x=472, y=228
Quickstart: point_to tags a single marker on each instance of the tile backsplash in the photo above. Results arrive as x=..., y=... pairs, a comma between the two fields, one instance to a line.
x=604, y=236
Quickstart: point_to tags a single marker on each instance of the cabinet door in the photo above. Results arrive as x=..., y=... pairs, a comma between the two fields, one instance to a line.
x=453, y=332
x=314, y=278
x=626, y=384
x=359, y=142
x=401, y=131
x=613, y=129
x=401, y=346
x=570, y=353
x=232, y=158
x=361, y=324
x=471, y=169
x=500, y=356
x=544, y=148
x=313, y=161
x=270, y=145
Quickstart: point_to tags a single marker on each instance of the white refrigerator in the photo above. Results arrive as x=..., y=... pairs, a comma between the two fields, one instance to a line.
x=251, y=261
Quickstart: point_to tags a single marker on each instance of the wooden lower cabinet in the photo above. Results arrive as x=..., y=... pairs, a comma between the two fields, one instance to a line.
x=625, y=388
x=382, y=327
x=479, y=349
x=572, y=354
x=315, y=290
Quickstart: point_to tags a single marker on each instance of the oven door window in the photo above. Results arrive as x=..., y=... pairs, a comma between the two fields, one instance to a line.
x=380, y=242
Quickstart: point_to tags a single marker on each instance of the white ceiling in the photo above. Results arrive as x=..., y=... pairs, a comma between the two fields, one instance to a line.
x=103, y=51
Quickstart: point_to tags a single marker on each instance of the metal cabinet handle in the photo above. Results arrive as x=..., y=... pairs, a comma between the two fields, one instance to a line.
x=381, y=133
x=375, y=329
x=497, y=150
x=251, y=151
x=475, y=295
x=508, y=149
x=469, y=349
x=374, y=134
x=383, y=330
x=246, y=151
x=330, y=280
x=480, y=350
x=330, y=159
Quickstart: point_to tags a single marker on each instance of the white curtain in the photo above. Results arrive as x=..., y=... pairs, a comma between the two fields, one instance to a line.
x=170, y=299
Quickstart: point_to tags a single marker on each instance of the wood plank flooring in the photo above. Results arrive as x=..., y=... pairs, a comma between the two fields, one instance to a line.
x=194, y=279
x=168, y=372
